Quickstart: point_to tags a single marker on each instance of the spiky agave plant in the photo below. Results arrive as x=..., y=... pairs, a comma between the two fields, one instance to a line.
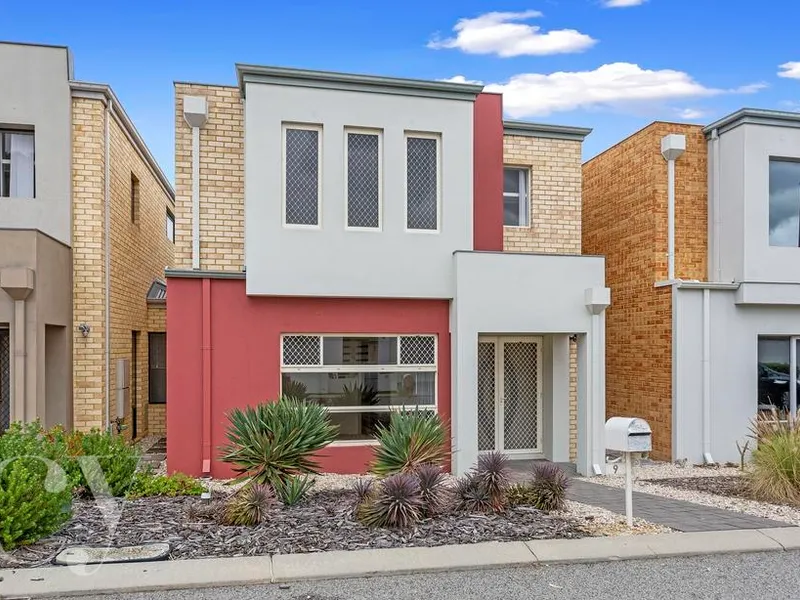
x=472, y=496
x=494, y=474
x=413, y=438
x=363, y=487
x=396, y=503
x=548, y=488
x=294, y=489
x=249, y=506
x=435, y=494
x=272, y=442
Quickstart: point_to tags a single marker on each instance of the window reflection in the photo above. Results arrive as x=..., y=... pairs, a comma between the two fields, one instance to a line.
x=784, y=203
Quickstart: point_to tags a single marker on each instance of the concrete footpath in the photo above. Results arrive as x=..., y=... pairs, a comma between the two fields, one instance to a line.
x=140, y=577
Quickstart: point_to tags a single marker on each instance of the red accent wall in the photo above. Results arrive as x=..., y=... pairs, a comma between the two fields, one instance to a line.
x=487, y=227
x=244, y=358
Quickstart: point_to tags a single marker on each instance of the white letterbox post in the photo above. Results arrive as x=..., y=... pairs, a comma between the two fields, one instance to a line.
x=629, y=436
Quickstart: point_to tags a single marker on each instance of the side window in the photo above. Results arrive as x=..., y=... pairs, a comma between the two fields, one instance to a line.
x=17, y=164
x=170, y=226
x=301, y=185
x=515, y=197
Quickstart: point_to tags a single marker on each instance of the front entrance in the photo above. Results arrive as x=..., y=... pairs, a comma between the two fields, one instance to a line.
x=509, y=395
x=5, y=379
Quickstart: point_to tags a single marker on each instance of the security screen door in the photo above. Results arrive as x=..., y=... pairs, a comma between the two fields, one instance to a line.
x=509, y=395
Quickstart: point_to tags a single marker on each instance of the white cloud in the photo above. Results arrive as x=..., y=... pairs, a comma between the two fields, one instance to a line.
x=690, y=114
x=611, y=85
x=462, y=79
x=622, y=3
x=790, y=70
x=503, y=34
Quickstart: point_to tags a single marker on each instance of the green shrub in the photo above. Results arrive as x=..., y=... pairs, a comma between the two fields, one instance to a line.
x=293, y=490
x=35, y=491
x=273, y=441
x=774, y=475
x=547, y=491
x=250, y=506
x=396, y=502
x=117, y=461
x=413, y=438
x=146, y=484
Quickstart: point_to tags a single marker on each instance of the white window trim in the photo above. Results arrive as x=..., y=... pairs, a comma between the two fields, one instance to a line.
x=7, y=161
x=396, y=368
x=524, y=202
x=438, y=138
x=363, y=131
x=308, y=127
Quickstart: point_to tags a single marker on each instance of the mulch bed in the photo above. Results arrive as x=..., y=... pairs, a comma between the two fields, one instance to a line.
x=733, y=486
x=323, y=522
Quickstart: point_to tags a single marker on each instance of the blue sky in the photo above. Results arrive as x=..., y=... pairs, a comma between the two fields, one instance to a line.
x=611, y=68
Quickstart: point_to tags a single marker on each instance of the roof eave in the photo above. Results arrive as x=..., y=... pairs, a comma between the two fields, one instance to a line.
x=545, y=130
x=754, y=116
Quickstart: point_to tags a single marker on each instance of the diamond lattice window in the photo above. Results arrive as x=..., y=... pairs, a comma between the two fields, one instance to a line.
x=422, y=183
x=302, y=176
x=418, y=350
x=301, y=350
x=363, y=180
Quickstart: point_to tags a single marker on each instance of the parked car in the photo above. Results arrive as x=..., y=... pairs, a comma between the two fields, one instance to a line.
x=773, y=389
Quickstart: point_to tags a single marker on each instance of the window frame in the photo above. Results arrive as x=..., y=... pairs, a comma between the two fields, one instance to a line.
x=305, y=127
x=7, y=161
x=770, y=160
x=136, y=191
x=150, y=336
x=430, y=136
x=524, y=174
x=362, y=131
x=170, y=221
x=362, y=368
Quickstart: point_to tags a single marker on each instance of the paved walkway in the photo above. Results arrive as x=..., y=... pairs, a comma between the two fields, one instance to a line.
x=676, y=514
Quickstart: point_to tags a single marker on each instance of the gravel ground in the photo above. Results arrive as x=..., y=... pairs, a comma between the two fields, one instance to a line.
x=772, y=575
x=644, y=473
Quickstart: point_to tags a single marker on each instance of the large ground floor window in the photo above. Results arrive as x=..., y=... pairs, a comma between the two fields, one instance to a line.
x=360, y=379
x=777, y=386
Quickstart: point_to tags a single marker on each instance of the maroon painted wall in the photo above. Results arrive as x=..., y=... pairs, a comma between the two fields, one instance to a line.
x=244, y=358
x=487, y=206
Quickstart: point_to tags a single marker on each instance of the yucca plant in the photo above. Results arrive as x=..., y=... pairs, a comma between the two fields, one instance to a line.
x=272, y=442
x=291, y=388
x=548, y=488
x=294, y=489
x=413, y=438
x=396, y=503
x=249, y=506
x=363, y=487
x=494, y=474
x=472, y=496
x=432, y=487
x=774, y=475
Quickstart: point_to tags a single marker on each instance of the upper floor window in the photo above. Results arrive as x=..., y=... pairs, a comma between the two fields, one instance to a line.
x=515, y=197
x=784, y=202
x=170, y=226
x=301, y=185
x=363, y=179
x=17, y=164
x=422, y=182
x=134, y=199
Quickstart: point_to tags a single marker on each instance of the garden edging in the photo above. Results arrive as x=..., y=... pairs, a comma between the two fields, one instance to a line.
x=216, y=572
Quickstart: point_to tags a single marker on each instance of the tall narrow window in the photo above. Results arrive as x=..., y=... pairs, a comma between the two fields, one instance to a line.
x=170, y=226
x=784, y=202
x=422, y=182
x=301, y=175
x=515, y=197
x=134, y=199
x=363, y=179
x=17, y=165
x=157, y=368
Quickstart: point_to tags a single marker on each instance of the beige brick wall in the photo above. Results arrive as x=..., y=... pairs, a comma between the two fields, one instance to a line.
x=625, y=219
x=555, y=195
x=221, y=180
x=554, y=176
x=140, y=251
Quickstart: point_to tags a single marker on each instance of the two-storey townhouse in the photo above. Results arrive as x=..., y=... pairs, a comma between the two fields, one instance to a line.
x=374, y=243
x=701, y=342
x=86, y=231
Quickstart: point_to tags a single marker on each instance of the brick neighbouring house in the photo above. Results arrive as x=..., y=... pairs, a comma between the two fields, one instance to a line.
x=378, y=241
x=82, y=353
x=700, y=355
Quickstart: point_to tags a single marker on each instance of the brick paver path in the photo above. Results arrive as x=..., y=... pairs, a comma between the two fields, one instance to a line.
x=676, y=514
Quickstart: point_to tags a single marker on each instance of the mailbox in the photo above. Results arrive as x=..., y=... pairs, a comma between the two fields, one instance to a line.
x=625, y=434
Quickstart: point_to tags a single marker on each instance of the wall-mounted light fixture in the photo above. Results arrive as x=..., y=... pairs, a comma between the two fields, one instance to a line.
x=573, y=338
x=84, y=328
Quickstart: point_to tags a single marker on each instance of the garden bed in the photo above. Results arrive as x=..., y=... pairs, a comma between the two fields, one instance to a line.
x=324, y=521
